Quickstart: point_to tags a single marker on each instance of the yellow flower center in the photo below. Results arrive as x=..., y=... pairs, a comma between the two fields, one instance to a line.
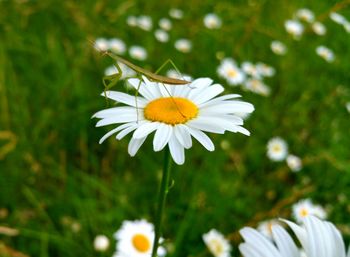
x=171, y=110
x=304, y=212
x=216, y=247
x=141, y=243
x=232, y=73
x=276, y=148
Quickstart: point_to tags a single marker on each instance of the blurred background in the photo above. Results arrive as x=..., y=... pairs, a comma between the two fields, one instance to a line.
x=59, y=188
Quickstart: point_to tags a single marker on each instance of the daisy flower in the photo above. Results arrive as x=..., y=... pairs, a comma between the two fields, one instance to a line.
x=337, y=18
x=131, y=21
x=294, y=162
x=101, y=44
x=265, y=70
x=183, y=45
x=135, y=239
x=347, y=106
x=251, y=70
x=101, y=243
x=161, y=35
x=229, y=71
x=305, y=208
x=138, y=53
x=144, y=22
x=217, y=244
x=265, y=227
x=212, y=21
x=277, y=149
x=176, y=13
x=186, y=112
x=319, y=28
x=278, y=47
x=305, y=15
x=165, y=24
x=256, y=86
x=116, y=46
x=295, y=28
x=326, y=53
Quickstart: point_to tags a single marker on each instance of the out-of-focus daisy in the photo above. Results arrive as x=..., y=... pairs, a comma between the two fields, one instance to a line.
x=183, y=45
x=126, y=71
x=217, y=244
x=305, y=208
x=305, y=15
x=212, y=21
x=277, y=149
x=250, y=69
x=347, y=105
x=256, y=244
x=326, y=53
x=337, y=18
x=294, y=163
x=176, y=13
x=295, y=28
x=101, y=44
x=187, y=111
x=172, y=73
x=229, y=71
x=131, y=21
x=117, y=46
x=135, y=239
x=101, y=243
x=138, y=53
x=319, y=238
x=161, y=35
x=256, y=86
x=265, y=227
x=265, y=70
x=319, y=28
x=165, y=24
x=278, y=47
x=346, y=26
x=144, y=22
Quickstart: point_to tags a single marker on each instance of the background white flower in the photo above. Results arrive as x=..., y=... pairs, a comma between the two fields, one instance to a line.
x=117, y=46
x=277, y=149
x=217, y=244
x=176, y=13
x=326, y=53
x=165, y=24
x=295, y=28
x=229, y=71
x=306, y=15
x=101, y=243
x=183, y=45
x=294, y=162
x=212, y=21
x=138, y=53
x=305, y=208
x=278, y=47
x=161, y=35
x=319, y=28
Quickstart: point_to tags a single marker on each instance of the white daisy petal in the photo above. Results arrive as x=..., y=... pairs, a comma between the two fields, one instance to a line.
x=210, y=93
x=126, y=131
x=176, y=151
x=117, y=119
x=145, y=129
x=162, y=136
x=125, y=98
x=202, y=138
x=134, y=145
x=113, y=131
x=183, y=136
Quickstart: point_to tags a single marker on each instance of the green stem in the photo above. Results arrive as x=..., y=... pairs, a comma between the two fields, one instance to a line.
x=164, y=188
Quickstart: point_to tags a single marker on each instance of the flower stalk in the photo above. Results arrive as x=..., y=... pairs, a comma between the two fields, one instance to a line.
x=164, y=189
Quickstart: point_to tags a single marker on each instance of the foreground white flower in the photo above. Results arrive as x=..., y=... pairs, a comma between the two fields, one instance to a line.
x=229, y=71
x=187, y=111
x=183, y=45
x=305, y=208
x=278, y=47
x=294, y=163
x=305, y=15
x=138, y=53
x=135, y=239
x=295, y=28
x=101, y=243
x=318, y=239
x=217, y=244
x=326, y=53
x=277, y=149
x=212, y=21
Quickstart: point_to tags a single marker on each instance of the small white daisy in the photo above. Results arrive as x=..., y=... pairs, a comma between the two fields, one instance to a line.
x=101, y=44
x=101, y=243
x=256, y=86
x=217, y=244
x=116, y=46
x=277, y=149
x=212, y=21
x=138, y=53
x=305, y=208
x=183, y=45
x=265, y=227
x=135, y=239
x=326, y=53
x=165, y=24
x=131, y=21
x=144, y=22
x=294, y=163
x=251, y=70
x=305, y=15
x=278, y=47
x=229, y=71
x=265, y=70
x=161, y=35
x=337, y=18
x=176, y=13
x=319, y=28
x=187, y=111
x=172, y=73
x=295, y=28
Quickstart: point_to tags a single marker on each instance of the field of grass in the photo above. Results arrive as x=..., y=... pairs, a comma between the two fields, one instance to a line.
x=59, y=188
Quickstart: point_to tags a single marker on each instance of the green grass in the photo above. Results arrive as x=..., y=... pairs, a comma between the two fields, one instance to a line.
x=50, y=82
